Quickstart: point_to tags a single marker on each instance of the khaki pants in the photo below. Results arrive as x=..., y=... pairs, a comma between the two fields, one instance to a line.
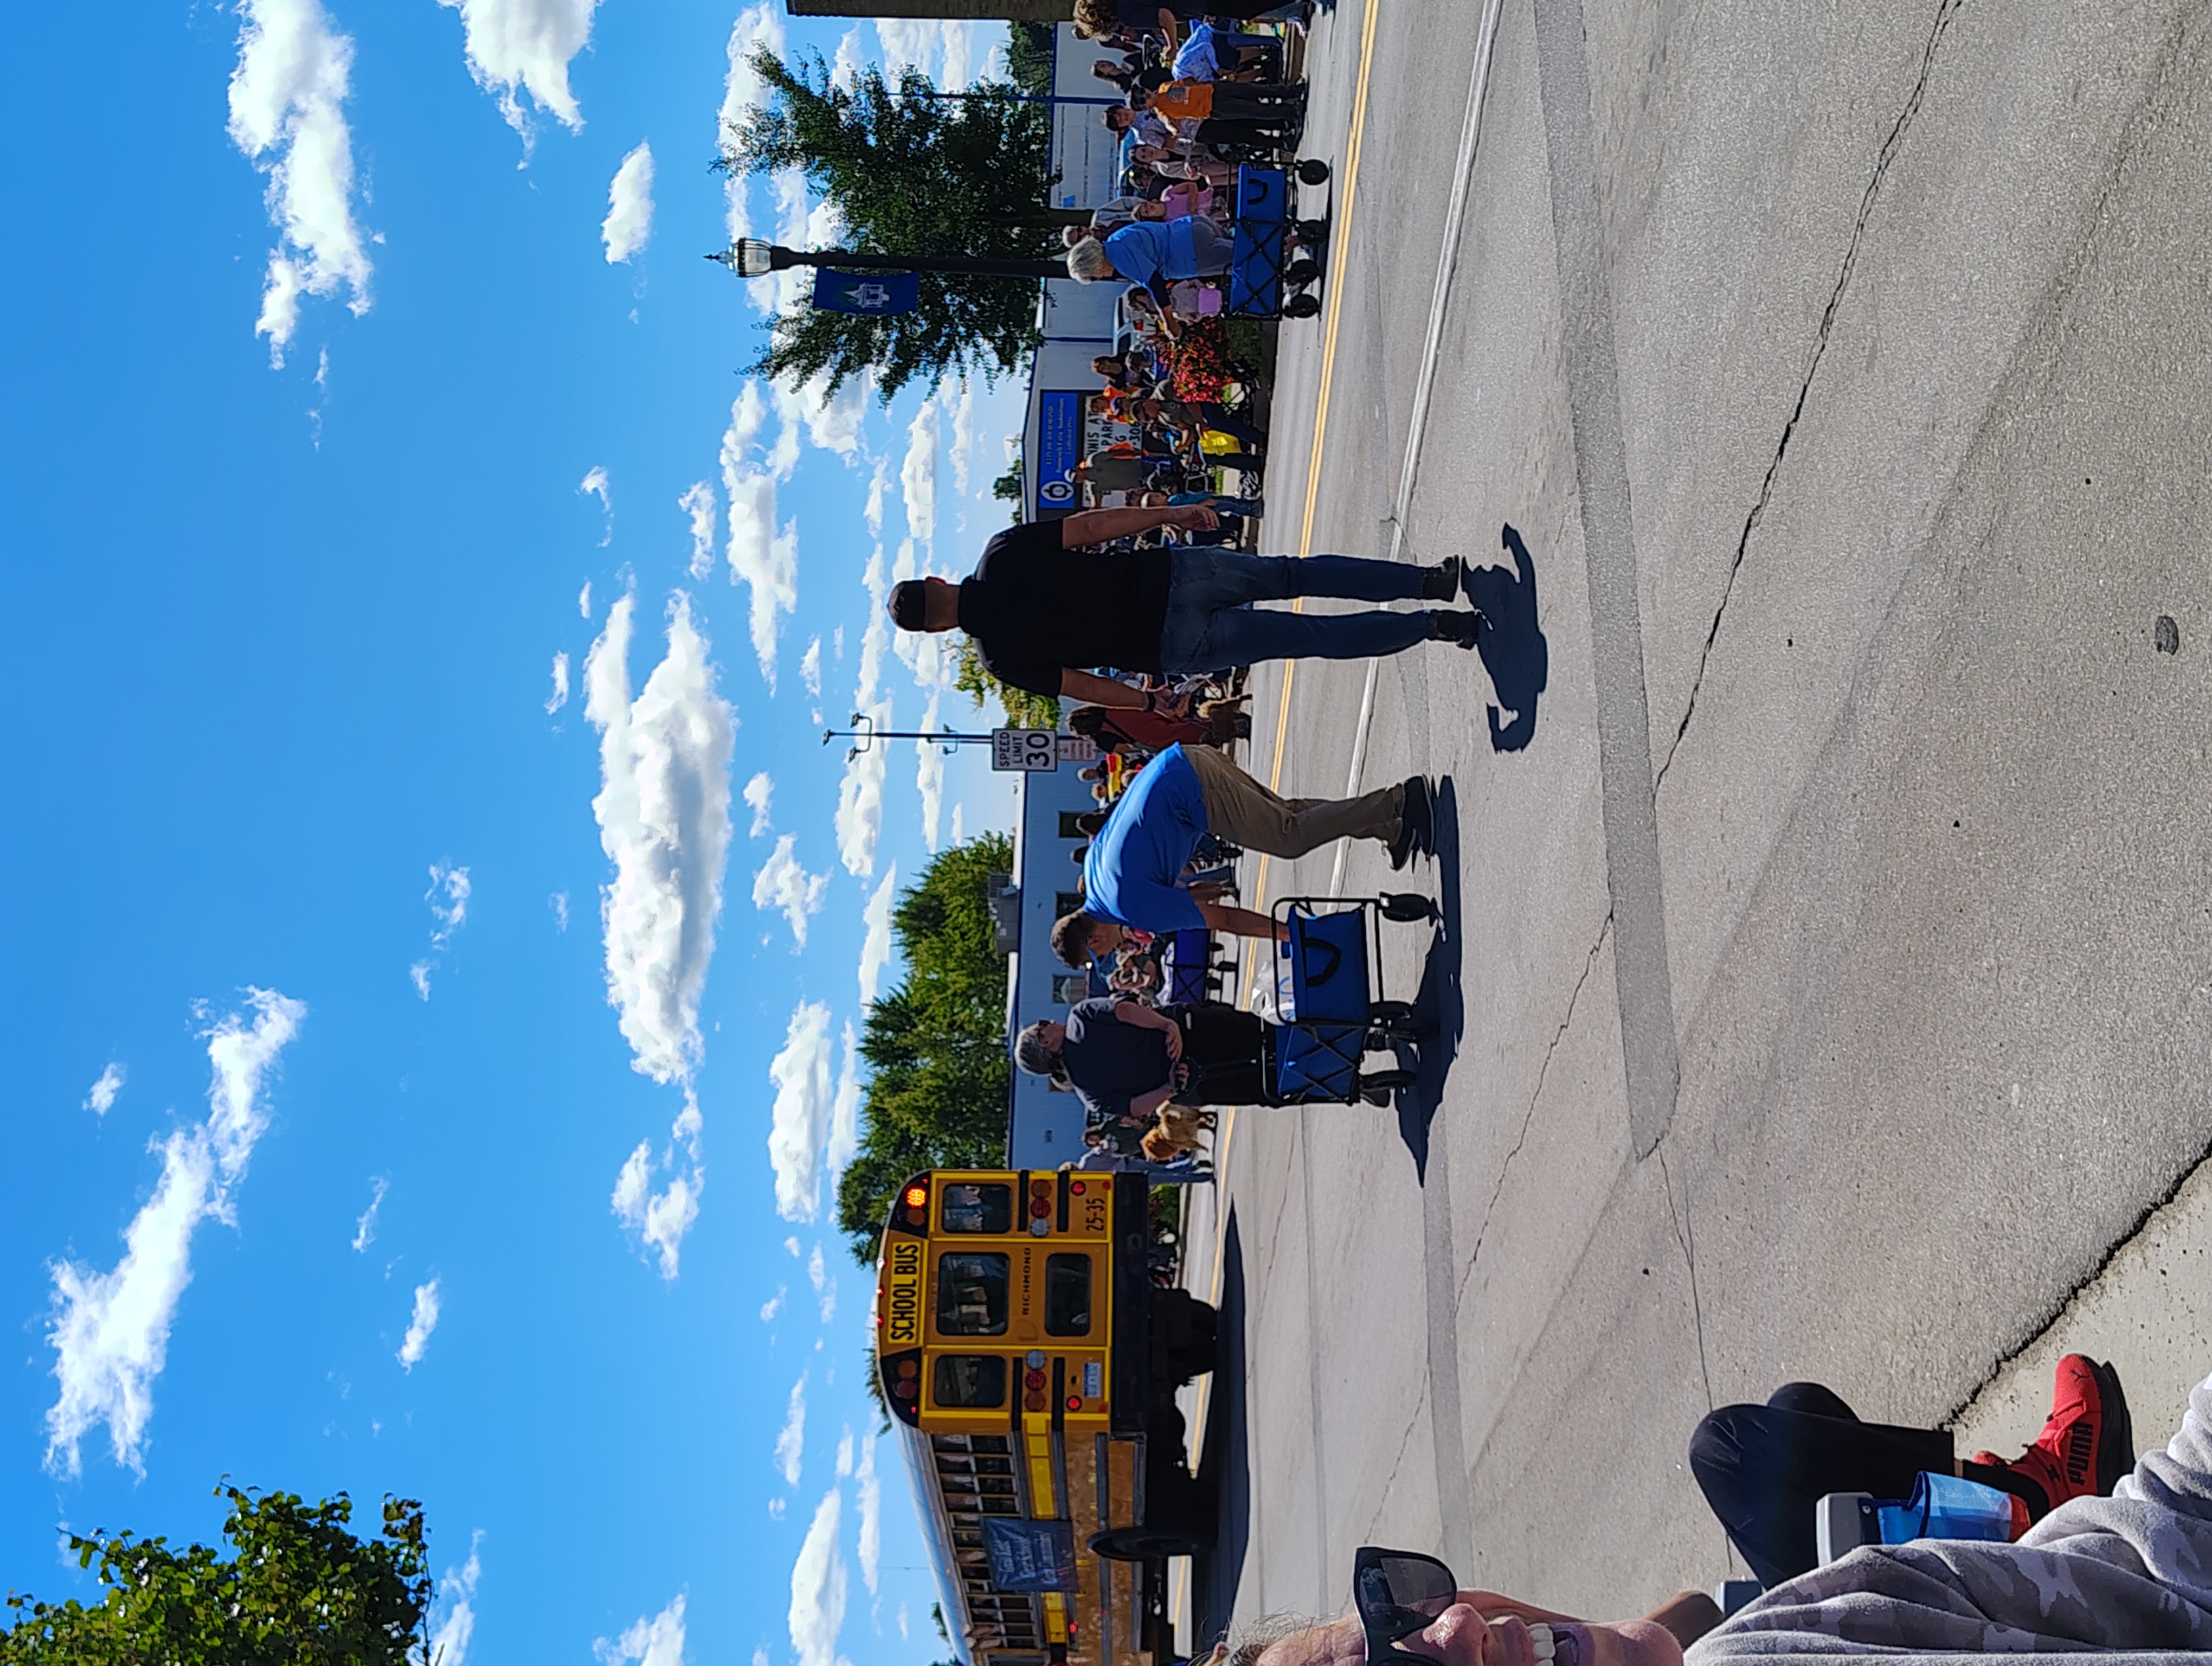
x=1237, y=807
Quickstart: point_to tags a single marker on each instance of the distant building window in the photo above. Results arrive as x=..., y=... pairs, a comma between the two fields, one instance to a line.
x=1069, y=988
x=1064, y=902
x=1068, y=830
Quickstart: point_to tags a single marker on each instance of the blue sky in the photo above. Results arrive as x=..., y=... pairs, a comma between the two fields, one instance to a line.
x=438, y=926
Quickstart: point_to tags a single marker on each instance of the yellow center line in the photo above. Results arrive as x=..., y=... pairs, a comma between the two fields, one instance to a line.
x=1348, y=186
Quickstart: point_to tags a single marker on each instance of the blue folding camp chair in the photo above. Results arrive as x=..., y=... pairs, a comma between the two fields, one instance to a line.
x=1329, y=1001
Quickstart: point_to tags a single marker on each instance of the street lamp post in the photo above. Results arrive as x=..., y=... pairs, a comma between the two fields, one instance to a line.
x=749, y=257
x=867, y=736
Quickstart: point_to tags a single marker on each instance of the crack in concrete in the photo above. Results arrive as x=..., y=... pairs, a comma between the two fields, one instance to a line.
x=1389, y=1485
x=1944, y=11
x=1686, y=1235
x=2034, y=1331
x=1529, y=1117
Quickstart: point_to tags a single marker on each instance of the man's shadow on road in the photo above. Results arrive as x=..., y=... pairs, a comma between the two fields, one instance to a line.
x=1224, y=1455
x=1511, y=643
x=1437, y=1007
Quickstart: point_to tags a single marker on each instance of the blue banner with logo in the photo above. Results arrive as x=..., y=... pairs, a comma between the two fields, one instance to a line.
x=872, y=294
x=1029, y=1555
x=1059, y=448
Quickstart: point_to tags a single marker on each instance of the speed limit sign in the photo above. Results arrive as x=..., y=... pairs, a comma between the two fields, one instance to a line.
x=1024, y=749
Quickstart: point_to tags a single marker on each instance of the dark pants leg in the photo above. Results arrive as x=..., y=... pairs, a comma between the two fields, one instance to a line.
x=1763, y=1468
x=1217, y=418
x=1252, y=135
x=1244, y=101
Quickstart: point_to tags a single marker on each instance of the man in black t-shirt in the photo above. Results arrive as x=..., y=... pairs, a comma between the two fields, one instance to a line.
x=1044, y=604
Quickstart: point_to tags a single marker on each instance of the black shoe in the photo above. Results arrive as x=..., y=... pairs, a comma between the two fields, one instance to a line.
x=1457, y=624
x=1441, y=583
x=1416, y=822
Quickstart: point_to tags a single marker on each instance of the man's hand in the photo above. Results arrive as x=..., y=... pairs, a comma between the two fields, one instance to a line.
x=1173, y=1036
x=1209, y=890
x=1194, y=518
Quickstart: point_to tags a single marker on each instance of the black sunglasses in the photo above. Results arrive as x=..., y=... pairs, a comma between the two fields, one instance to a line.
x=1398, y=1593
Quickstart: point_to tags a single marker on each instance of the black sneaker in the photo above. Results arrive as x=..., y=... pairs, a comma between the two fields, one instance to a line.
x=1441, y=582
x=1456, y=624
x=1416, y=822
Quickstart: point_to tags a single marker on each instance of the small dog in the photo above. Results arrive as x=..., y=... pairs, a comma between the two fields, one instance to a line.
x=1176, y=1134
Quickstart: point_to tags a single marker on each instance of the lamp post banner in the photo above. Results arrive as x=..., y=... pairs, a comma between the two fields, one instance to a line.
x=873, y=295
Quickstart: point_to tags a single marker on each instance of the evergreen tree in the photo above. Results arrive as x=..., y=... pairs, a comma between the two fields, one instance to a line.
x=939, y=1079
x=908, y=174
x=1031, y=48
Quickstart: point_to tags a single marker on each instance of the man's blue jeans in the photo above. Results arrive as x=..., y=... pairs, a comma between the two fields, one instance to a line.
x=1211, y=623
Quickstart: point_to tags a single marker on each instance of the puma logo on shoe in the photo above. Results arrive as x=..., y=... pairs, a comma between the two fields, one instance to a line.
x=2081, y=1450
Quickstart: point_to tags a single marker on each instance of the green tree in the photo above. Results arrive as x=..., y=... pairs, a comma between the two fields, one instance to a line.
x=1031, y=48
x=939, y=1076
x=300, y=1588
x=1024, y=710
x=910, y=174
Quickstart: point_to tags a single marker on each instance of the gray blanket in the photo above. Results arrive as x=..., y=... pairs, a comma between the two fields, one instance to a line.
x=2132, y=1573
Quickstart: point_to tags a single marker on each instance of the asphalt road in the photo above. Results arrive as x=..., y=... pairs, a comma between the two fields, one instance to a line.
x=1829, y=980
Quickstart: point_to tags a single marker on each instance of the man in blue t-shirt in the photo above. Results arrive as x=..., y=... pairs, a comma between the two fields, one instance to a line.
x=1129, y=878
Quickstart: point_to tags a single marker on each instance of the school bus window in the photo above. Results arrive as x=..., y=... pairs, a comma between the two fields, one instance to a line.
x=1068, y=1296
x=988, y=1209
x=971, y=1295
x=970, y=1380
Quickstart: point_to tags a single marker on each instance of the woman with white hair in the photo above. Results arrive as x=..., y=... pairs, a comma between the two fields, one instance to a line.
x=1155, y=253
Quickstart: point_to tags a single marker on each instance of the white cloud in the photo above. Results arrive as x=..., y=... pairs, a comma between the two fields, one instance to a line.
x=791, y=1440
x=664, y=816
x=929, y=771
x=110, y=1330
x=364, y=1229
x=596, y=484
x=918, y=475
x=810, y=668
x=818, y=1588
x=872, y=511
x=868, y=1494
x=844, y=1142
x=942, y=48
x=800, y=1125
x=773, y=1305
x=845, y=1452
x=964, y=437
x=783, y=883
x=959, y=833
x=860, y=817
x=286, y=95
x=451, y=1630
x=560, y=697
x=629, y=223
x=101, y=1099
x=661, y=1219
x=451, y=885
x=775, y=1509
x=758, y=793
x=832, y=421
x=515, y=46
x=584, y=600
x=420, y=1324
x=558, y=901
x=699, y=504
x=757, y=25
x=852, y=57
x=655, y=1642
x=876, y=947
x=759, y=556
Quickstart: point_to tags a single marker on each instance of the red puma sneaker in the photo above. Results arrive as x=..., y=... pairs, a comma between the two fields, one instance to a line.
x=2088, y=1443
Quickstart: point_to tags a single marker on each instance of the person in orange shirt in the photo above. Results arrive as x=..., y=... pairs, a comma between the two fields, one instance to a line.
x=1274, y=102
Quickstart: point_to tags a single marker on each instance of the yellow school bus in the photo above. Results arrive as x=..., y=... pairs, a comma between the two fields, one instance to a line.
x=1023, y=1344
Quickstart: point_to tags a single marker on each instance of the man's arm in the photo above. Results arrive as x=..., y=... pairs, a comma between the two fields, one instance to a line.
x=1240, y=922
x=1089, y=526
x=1105, y=691
x=1146, y=1107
